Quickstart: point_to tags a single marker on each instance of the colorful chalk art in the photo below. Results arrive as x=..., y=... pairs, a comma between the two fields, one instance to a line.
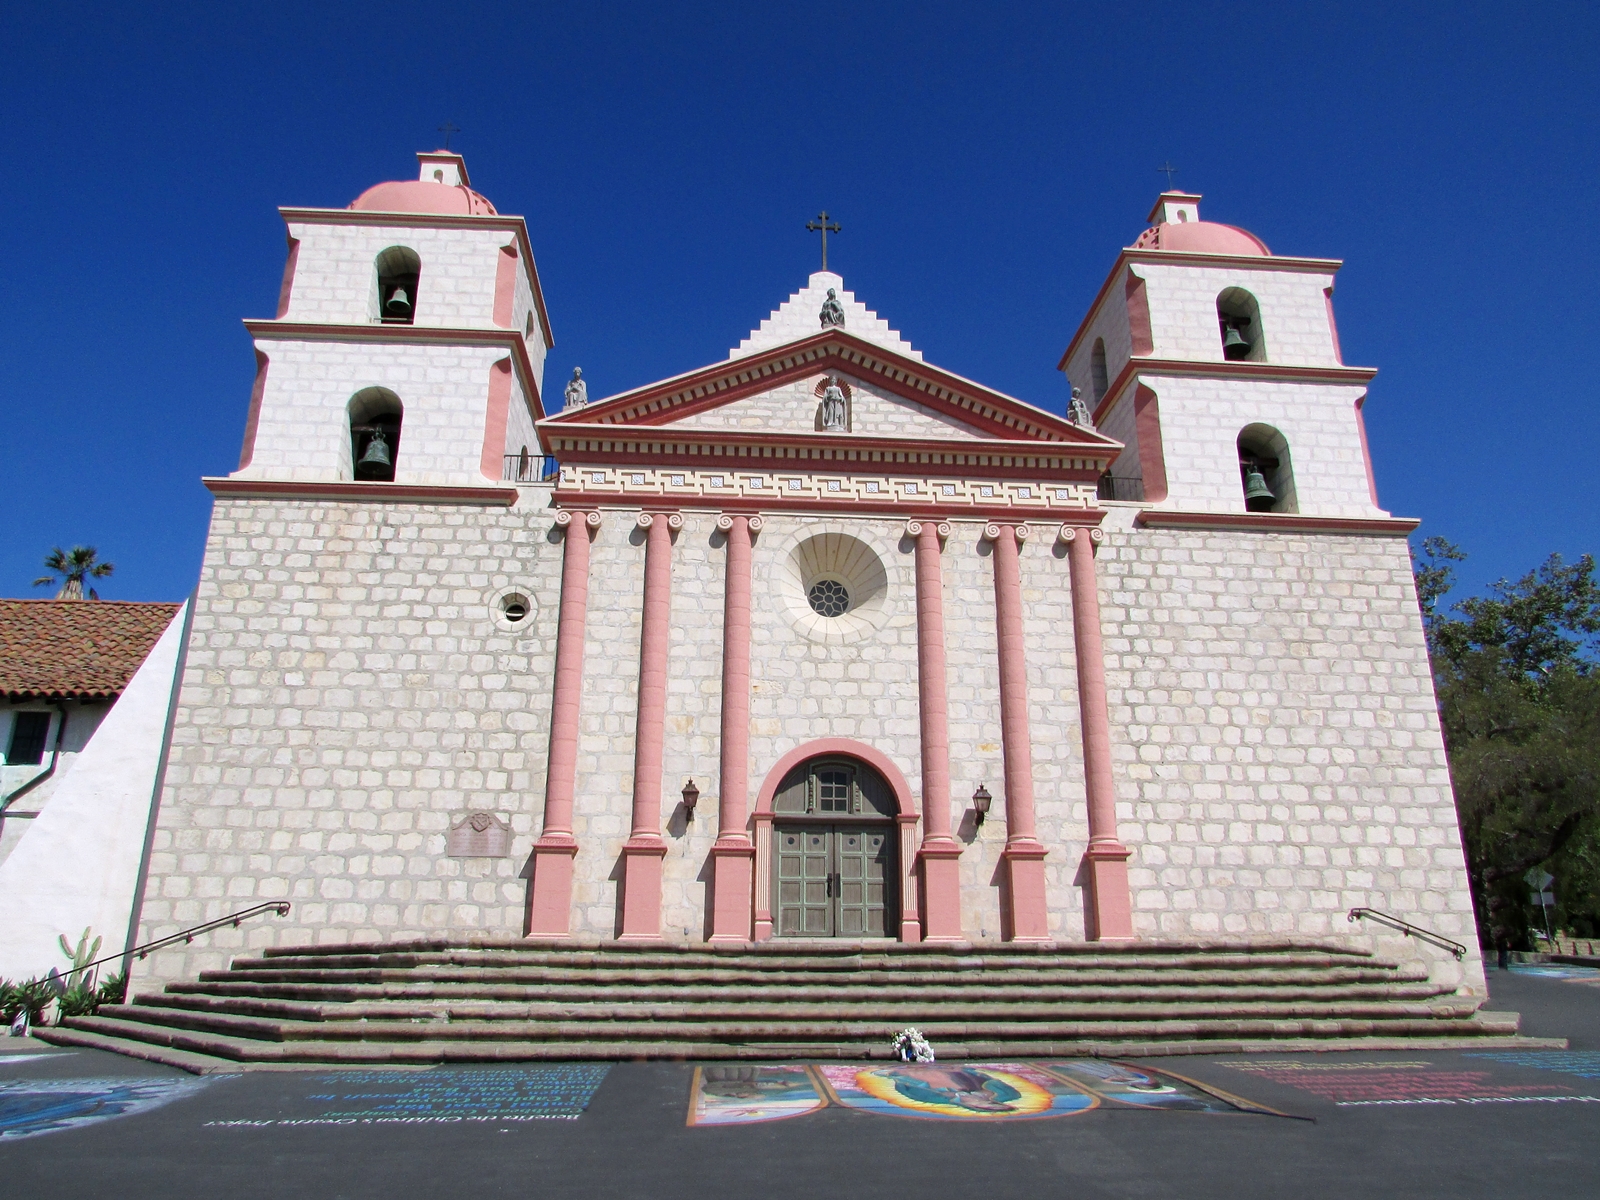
x=739, y=1095
x=33, y=1106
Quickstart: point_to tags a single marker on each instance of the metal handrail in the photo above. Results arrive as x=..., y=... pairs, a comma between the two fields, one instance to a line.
x=1410, y=930
x=529, y=468
x=281, y=907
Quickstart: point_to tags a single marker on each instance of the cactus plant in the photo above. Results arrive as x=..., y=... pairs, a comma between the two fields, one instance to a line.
x=80, y=958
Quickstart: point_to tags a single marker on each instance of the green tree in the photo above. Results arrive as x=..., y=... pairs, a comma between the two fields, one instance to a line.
x=1519, y=700
x=71, y=568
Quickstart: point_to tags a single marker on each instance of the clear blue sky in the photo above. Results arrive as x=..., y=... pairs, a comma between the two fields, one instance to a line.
x=986, y=162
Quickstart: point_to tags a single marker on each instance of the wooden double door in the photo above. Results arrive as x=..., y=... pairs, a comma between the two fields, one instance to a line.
x=836, y=870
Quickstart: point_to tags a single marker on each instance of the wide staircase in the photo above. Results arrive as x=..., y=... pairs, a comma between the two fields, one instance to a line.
x=521, y=1001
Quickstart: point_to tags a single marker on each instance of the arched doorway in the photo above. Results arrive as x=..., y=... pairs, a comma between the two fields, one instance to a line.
x=835, y=851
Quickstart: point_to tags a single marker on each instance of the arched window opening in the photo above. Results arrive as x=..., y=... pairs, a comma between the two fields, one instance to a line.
x=1265, y=471
x=375, y=417
x=399, y=269
x=1239, y=321
x=1097, y=370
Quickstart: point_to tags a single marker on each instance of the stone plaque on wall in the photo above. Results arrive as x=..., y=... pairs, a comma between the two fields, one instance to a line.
x=479, y=835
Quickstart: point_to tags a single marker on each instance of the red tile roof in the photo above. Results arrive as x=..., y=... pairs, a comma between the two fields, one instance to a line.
x=75, y=647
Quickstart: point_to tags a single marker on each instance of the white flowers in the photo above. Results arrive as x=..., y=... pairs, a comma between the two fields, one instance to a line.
x=910, y=1046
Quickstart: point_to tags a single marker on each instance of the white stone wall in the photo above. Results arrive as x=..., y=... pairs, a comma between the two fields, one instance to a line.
x=795, y=408
x=1110, y=322
x=303, y=431
x=1200, y=424
x=1294, y=312
x=1278, y=751
x=83, y=718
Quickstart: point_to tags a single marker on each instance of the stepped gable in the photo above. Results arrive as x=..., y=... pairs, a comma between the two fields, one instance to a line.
x=516, y=1000
x=796, y=318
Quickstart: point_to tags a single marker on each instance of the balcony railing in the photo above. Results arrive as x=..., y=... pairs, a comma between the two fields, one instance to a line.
x=1120, y=487
x=529, y=468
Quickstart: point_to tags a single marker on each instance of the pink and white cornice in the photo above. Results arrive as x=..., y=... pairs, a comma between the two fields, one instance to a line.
x=721, y=383
x=1157, y=518
x=360, y=491
x=1137, y=368
x=1190, y=258
x=436, y=335
x=514, y=224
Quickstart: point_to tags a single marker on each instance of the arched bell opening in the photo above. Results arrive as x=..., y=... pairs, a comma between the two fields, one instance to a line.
x=399, y=271
x=1265, y=471
x=1099, y=378
x=376, y=415
x=1239, y=323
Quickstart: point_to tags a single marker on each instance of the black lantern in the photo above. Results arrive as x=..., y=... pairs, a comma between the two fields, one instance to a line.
x=980, y=804
x=691, y=795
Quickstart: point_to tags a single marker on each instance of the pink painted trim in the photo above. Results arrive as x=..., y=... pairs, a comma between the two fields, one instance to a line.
x=1016, y=742
x=1137, y=368
x=650, y=723
x=257, y=390
x=568, y=497
x=566, y=704
x=871, y=458
x=505, y=339
x=288, y=276
x=495, y=418
x=1112, y=913
x=1333, y=325
x=390, y=493
x=1138, y=302
x=519, y=227
x=1366, y=454
x=1278, y=522
x=505, y=286
x=1152, y=454
x=733, y=902
x=932, y=693
x=874, y=758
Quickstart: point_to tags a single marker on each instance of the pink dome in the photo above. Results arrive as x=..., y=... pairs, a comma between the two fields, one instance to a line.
x=1202, y=237
x=422, y=196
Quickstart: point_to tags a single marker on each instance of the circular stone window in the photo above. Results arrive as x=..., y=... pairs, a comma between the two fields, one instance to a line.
x=513, y=609
x=833, y=586
x=828, y=598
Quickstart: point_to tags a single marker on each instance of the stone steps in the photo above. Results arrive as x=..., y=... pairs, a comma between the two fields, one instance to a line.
x=512, y=1001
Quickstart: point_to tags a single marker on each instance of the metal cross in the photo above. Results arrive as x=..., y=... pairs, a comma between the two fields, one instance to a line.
x=447, y=129
x=821, y=225
x=1170, y=172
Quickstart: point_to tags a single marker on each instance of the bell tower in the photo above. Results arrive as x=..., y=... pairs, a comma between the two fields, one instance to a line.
x=409, y=342
x=1217, y=364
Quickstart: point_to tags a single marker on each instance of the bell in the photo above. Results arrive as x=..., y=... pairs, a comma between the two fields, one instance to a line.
x=1258, y=496
x=399, y=304
x=375, y=461
x=1234, y=347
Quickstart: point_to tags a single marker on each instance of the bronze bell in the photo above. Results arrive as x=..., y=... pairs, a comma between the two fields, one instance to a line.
x=1234, y=347
x=1258, y=496
x=375, y=461
x=399, y=304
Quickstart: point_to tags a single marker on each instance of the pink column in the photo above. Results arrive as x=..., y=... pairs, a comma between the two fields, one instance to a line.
x=940, y=853
x=733, y=857
x=1025, y=910
x=643, y=851
x=550, y=896
x=1109, y=911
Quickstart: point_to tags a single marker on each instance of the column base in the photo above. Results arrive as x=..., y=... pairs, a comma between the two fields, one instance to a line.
x=732, y=873
x=550, y=892
x=641, y=889
x=941, y=891
x=1109, y=902
x=1026, y=913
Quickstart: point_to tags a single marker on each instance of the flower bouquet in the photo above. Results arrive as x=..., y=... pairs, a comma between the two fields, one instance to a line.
x=910, y=1046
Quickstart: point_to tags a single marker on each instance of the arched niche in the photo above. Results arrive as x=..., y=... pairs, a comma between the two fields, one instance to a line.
x=1239, y=326
x=1265, y=450
x=1099, y=379
x=375, y=418
x=399, y=272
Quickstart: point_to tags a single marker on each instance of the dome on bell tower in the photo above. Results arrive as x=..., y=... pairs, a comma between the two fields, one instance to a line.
x=441, y=186
x=1175, y=224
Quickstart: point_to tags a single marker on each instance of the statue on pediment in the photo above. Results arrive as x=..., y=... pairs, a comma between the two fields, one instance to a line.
x=832, y=311
x=833, y=408
x=1078, y=412
x=577, y=390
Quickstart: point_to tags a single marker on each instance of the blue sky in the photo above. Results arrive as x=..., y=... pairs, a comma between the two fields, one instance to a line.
x=986, y=162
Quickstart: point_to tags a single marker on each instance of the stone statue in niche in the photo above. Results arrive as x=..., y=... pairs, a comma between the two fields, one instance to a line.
x=1078, y=412
x=833, y=408
x=832, y=311
x=478, y=835
x=577, y=390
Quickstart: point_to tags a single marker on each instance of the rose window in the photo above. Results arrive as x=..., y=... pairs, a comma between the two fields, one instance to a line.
x=828, y=598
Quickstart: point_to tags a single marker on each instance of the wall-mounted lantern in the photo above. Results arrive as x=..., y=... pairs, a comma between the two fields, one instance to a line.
x=981, y=800
x=691, y=796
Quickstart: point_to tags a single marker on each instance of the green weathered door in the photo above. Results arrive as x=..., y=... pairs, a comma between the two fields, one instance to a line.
x=862, y=880
x=804, y=880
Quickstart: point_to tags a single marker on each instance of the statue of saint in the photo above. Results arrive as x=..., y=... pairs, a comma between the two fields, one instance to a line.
x=1078, y=412
x=577, y=390
x=833, y=411
x=832, y=311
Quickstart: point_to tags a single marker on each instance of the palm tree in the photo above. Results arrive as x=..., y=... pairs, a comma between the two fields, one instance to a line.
x=73, y=567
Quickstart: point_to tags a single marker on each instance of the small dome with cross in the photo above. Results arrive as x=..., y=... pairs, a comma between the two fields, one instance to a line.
x=441, y=187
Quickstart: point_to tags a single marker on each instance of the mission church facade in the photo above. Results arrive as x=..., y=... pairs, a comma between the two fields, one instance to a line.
x=819, y=641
